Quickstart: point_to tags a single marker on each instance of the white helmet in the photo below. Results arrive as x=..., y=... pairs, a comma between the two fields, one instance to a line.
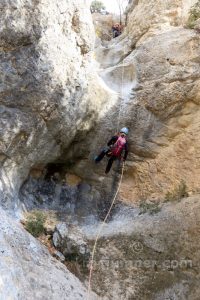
x=124, y=130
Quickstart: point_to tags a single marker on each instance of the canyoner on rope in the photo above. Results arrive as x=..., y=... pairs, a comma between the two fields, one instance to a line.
x=116, y=30
x=117, y=148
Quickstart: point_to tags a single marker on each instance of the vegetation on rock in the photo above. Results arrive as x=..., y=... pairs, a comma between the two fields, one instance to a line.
x=178, y=193
x=151, y=208
x=35, y=223
x=97, y=6
x=194, y=15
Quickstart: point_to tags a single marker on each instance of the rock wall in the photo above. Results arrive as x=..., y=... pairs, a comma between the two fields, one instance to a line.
x=46, y=51
x=28, y=270
x=154, y=67
x=159, y=16
x=51, y=97
x=167, y=71
x=150, y=257
x=54, y=108
x=46, y=99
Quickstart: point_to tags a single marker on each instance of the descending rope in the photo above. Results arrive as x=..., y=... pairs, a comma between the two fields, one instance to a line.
x=122, y=89
x=114, y=199
x=118, y=189
x=99, y=232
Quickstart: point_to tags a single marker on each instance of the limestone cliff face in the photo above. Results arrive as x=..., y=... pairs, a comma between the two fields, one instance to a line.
x=45, y=53
x=54, y=106
x=51, y=97
x=150, y=257
x=154, y=66
x=149, y=18
x=168, y=78
x=28, y=270
x=45, y=59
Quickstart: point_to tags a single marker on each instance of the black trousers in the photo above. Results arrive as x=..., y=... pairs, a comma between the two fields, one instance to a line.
x=110, y=161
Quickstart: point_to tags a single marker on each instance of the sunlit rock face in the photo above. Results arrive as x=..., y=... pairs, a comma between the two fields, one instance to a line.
x=154, y=67
x=165, y=134
x=45, y=54
x=46, y=69
x=54, y=108
x=146, y=19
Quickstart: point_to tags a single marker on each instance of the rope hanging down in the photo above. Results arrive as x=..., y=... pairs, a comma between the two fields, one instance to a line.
x=118, y=189
x=99, y=232
x=121, y=90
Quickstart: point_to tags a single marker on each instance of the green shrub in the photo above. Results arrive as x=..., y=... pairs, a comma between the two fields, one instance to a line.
x=35, y=223
x=194, y=15
x=178, y=193
x=151, y=208
x=97, y=6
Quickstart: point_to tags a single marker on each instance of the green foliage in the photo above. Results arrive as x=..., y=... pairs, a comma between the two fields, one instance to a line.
x=97, y=6
x=194, y=15
x=151, y=208
x=178, y=193
x=35, y=223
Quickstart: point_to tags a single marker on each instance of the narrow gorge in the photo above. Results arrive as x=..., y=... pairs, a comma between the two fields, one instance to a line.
x=63, y=93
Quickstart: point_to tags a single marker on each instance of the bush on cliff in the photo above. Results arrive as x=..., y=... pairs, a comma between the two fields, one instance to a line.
x=35, y=223
x=194, y=15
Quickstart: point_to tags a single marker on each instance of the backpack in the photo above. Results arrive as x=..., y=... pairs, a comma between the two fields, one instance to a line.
x=118, y=146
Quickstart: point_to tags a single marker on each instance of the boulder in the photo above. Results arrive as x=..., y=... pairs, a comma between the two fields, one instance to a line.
x=70, y=241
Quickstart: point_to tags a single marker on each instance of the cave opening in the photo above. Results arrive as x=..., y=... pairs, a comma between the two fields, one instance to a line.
x=57, y=170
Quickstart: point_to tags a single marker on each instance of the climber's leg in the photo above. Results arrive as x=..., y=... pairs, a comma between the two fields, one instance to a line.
x=100, y=156
x=109, y=165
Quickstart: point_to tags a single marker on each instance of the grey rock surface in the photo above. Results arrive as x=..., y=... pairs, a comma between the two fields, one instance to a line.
x=54, y=108
x=47, y=81
x=79, y=202
x=59, y=256
x=70, y=241
x=45, y=62
x=29, y=272
x=149, y=256
x=154, y=67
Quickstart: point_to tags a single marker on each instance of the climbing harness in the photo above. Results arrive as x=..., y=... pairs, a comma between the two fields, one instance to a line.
x=99, y=232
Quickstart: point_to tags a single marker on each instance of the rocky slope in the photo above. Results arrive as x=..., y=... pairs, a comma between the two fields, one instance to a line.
x=150, y=257
x=28, y=270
